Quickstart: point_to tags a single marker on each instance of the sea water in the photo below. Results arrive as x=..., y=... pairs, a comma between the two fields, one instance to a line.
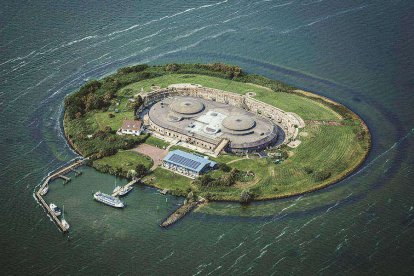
x=359, y=53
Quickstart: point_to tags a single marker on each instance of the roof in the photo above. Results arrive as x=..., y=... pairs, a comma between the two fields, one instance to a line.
x=132, y=124
x=188, y=160
x=186, y=106
x=238, y=122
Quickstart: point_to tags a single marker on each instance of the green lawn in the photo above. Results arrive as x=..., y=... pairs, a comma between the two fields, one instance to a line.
x=153, y=141
x=126, y=160
x=102, y=119
x=165, y=179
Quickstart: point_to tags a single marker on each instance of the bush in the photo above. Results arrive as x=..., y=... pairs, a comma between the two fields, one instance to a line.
x=308, y=170
x=140, y=170
x=133, y=69
x=246, y=196
x=321, y=175
x=172, y=67
x=224, y=167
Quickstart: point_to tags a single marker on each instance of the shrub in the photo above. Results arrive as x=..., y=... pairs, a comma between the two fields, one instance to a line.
x=224, y=167
x=321, y=175
x=246, y=196
x=133, y=69
x=140, y=170
x=308, y=170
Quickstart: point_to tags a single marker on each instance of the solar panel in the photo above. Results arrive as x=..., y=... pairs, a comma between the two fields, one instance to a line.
x=183, y=161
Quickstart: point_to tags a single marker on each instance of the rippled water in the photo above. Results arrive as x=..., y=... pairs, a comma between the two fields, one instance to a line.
x=359, y=53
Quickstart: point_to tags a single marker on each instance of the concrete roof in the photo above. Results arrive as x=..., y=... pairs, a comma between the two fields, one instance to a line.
x=262, y=131
x=238, y=122
x=187, y=106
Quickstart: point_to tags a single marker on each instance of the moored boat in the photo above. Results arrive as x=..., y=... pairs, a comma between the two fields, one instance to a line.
x=65, y=224
x=116, y=189
x=124, y=190
x=108, y=200
x=44, y=190
x=55, y=209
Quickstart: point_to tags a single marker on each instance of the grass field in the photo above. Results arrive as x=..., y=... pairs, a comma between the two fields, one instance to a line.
x=153, y=141
x=126, y=160
x=165, y=179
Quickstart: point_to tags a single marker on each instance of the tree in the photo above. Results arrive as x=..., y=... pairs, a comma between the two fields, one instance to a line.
x=140, y=170
x=172, y=67
x=138, y=103
x=246, y=196
x=131, y=174
x=224, y=167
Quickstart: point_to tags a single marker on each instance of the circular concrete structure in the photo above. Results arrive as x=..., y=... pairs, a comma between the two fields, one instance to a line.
x=238, y=122
x=187, y=106
x=206, y=123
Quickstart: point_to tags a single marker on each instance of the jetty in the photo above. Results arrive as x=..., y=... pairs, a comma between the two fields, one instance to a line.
x=67, y=179
x=57, y=174
x=181, y=212
x=126, y=186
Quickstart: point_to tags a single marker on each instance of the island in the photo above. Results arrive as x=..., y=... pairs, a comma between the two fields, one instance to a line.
x=213, y=131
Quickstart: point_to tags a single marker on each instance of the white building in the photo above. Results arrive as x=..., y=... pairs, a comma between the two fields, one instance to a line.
x=133, y=127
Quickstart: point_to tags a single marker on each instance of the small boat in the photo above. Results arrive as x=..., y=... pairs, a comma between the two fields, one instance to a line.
x=44, y=190
x=108, y=200
x=124, y=190
x=55, y=209
x=65, y=224
x=116, y=189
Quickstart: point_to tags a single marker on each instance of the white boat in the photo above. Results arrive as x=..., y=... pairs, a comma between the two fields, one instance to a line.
x=108, y=200
x=117, y=189
x=55, y=209
x=44, y=190
x=65, y=224
x=124, y=190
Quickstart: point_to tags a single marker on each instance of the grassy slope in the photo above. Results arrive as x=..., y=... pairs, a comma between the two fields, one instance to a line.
x=165, y=179
x=153, y=141
x=127, y=160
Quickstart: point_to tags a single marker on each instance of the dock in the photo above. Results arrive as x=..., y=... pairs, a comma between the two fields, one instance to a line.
x=127, y=186
x=57, y=174
x=67, y=179
x=181, y=212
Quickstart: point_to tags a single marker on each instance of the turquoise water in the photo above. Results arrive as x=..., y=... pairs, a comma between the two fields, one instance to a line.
x=359, y=53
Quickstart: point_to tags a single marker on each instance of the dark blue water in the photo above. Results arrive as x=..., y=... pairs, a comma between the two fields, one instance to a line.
x=359, y=53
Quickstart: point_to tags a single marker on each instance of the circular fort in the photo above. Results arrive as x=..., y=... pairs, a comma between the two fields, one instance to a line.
x=216, y=120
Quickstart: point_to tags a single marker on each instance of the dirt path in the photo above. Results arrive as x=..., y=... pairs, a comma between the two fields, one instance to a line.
x=233, y=161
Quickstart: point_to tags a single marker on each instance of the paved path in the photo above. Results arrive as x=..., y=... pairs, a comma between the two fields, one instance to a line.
x=156, y=154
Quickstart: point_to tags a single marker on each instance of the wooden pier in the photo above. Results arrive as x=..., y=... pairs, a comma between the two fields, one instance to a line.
x=67, y=179
x=57, y=174
x=181, y=212
x=126, y=186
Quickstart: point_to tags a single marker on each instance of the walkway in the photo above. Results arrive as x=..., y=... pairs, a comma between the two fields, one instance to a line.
x=156, y=154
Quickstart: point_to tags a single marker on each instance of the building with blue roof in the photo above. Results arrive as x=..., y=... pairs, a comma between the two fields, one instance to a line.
x=188, y=164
